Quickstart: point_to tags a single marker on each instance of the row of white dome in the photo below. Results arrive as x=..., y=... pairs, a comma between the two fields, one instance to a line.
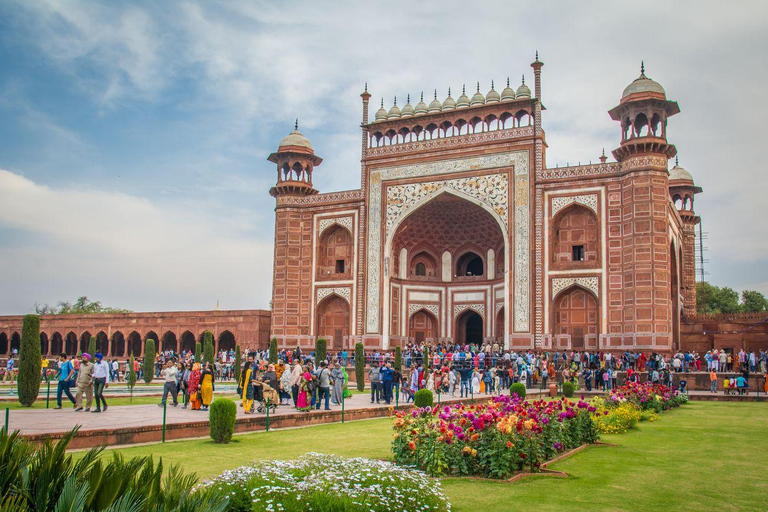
x=508, y=94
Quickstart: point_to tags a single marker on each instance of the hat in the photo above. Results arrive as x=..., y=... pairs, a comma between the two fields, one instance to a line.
x=86, y=356
x=99, y=355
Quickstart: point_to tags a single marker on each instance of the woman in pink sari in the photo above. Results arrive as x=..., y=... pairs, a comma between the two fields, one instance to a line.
x=304, y=401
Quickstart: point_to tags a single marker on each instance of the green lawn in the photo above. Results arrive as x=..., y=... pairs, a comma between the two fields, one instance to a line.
x=704, y=456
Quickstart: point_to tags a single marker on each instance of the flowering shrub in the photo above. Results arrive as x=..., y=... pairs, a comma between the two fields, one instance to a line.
x=616, y=420
x=323, y=482
x=647, y=396
x=494, y=439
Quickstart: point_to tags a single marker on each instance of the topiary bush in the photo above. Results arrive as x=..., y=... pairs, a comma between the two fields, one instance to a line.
x=131, y=377
x=517, y=388
x=273, y=350
x=30, y=361
x=198, y=352
x=423, y=398
x=238, y=363
x=321, y=350
x=223, y=412
x=360, y=366
x=92, y=347
x=148, y=366
x=398, y=358
x=209, y=352
x=568, y=389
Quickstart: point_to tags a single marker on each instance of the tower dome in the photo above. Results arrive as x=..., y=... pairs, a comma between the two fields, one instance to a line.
x=421, y=107
x=296, y=142
x=435, y=105
x=449, y=103
x=643, y=84
x=508, y=93
x=680, y=175
x=381, y=114
x=523, y=91
x=492, y=96
x=463, y=101
x=394, y=112
x=408, y=108
x=478, y=98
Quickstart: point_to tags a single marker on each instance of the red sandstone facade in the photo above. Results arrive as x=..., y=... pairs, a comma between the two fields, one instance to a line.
x=118, y=335
x=460, y=232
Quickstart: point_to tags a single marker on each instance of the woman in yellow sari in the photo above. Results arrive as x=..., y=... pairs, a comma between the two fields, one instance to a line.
x=206, y=386
x=246, y=388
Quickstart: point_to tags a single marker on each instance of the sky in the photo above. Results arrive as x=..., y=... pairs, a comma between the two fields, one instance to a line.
x=134, y=135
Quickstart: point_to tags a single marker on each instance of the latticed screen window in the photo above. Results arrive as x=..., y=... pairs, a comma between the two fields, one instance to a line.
x=578, y=253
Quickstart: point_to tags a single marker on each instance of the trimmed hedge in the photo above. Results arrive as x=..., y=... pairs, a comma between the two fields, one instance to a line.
x=273, y=350
x=92, y=348
x=209, y=352
x=148, y=366
x=30, y=361
x=423, y=398
x=398, y=358
x=568, y=389
x=360, y=366
x=321, y=350
x=222, y=414
x=519, y=388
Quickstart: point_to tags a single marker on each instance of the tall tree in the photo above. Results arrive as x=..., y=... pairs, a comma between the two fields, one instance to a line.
x=198, y=352
x=148, y=368
x=30, y=362
x=273, y=350
x=712, y=299
x=209, y=351
x=753, y=302
x=360, y=366
x=321, y=350
x=92, y=346
x=398, y=358
x=82, y=306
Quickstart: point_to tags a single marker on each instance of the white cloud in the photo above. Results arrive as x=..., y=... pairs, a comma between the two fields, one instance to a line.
x=126, y=250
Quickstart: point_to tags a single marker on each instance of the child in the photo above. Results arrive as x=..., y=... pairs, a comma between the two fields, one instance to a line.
x=726, y=387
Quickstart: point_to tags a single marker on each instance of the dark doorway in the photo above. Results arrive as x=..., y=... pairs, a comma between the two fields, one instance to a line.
x=469, y=327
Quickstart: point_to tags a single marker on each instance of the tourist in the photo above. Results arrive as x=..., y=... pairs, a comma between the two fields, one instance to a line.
x=296, y=376
x=742, y=385
x=169, y=374
x=245, y=389
x=465, y=372
x=303, y=403
x=337, y=381
x=9, y=369
x=84, y=383
x=207, y=388
x=386, y=374
x=65, y=380
x=100, y=381
x=374, y=377
x=186, y=371
x=323, y=386
x=712, y=381
x=193, y=387
x=475, y=382
x=285, y=386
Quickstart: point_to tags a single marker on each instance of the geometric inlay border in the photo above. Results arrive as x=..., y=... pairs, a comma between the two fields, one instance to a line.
x=432, y=308
x=478, y=308
x=341, y=221
x=588, y=200
x=343, y=292
x=561, y=283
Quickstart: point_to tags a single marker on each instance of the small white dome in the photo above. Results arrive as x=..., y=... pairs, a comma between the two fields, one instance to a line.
x=478, y=98
x=463, y=100
x=449, y=103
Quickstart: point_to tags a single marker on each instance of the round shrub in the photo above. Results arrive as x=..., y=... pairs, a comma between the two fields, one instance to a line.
x=568, y=389
x=517, y=388
x=222, y=416
x=423, y=398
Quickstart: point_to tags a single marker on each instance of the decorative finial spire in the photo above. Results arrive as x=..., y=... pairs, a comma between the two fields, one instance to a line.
x=642, y=67
x=523, y=79
x=422, y=96
x=409, y=98
x=492, y=85
x=296, y=126
x=382, y=102
x=537, y=54
x=395, y=100
x=603, y=151
x=366, y=86
x=435, y=93
x=478, y=86
x=507, y=81
x=464, y=89
x=676, y=161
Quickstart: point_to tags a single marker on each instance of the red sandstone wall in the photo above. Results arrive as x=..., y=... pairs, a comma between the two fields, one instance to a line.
x=706, y=332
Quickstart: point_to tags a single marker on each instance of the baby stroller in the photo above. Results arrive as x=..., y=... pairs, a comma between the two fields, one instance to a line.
x=263, y=394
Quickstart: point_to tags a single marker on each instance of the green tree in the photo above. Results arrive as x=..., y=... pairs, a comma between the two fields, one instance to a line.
x=426, y=364
x=320, y=350
x=148, y=368
x=753, y=302
x=711, y=299
x=360, y=366
x=238, y=363
x=30, y=362
x=209, y=352
x=198, y=352
x=398, y=358
x=131, y=380
x=92, y=346
x=82, y=306
x=273, y=350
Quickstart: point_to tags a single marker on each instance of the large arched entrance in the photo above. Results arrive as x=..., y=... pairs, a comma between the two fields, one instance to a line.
x=226, y=341
x=169, y=342
x=576, y=314
x=499, y=332
x=118, y=344
x=469, y=327
x=57, y=344
x=70, y=344
x=43, y=343
x=334, y=256
x=15, y=342
x=422, y=326
x=102, y=343
x=134, y=344
x=3, y=343
x=187, y=341
x=333, y=320
x=85, y=340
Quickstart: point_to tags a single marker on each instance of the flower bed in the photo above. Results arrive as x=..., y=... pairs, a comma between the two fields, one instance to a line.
x=493, y=440
x=328, y=483
x=646, y=397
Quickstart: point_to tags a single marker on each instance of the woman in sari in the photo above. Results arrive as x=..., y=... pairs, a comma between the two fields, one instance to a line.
x=303, y=403
x=246, y=389
x=194, y=387
x=206, y=386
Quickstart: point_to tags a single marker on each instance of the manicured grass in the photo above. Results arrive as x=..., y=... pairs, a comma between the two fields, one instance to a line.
x=704, y=456
x=123, y=400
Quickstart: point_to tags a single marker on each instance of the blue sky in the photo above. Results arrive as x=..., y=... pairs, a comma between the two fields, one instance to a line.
x=134, y=135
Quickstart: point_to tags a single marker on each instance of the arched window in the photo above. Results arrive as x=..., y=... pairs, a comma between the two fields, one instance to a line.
x=575, y=238
x=423, y=264
x=469, y=264
x=335, y=253
x=421, y=269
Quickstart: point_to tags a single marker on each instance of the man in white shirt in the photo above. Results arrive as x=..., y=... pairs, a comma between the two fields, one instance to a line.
x=100, y=381
x=169, y=373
